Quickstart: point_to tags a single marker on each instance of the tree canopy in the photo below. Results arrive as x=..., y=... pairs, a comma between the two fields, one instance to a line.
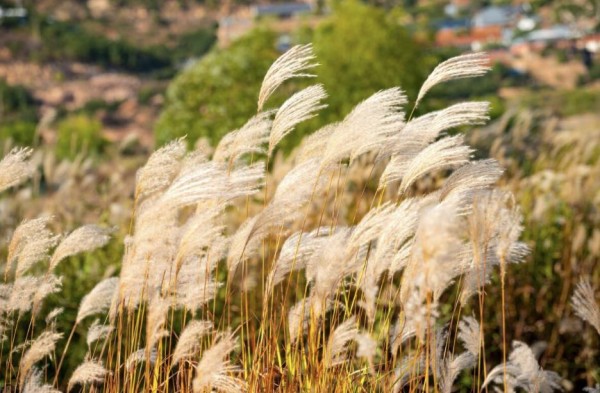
x=218, y=93
x=361, y=50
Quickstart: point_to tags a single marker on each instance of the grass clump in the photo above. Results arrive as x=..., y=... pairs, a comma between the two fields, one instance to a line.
x=361, y=263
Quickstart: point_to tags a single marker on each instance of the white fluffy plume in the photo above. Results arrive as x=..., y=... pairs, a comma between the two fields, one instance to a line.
x=291, y=64
x=585, y=305
x=464, y=66
x=89, y=372
x=302, y=106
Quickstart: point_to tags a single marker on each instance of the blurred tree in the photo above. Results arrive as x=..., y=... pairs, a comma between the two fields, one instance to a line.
x=219, y=92
x=363, y=49
x=79, y=134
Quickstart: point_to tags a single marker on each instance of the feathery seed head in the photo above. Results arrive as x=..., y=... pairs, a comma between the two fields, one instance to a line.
x=83, y=239
x=89, y=372
x=301, y=106
x=41, y=347
x=292, y=64
x=15, y=168
x=585, y=305
x=99, y=299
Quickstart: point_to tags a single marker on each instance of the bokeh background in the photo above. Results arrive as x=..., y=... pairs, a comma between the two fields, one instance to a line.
x=95, y=85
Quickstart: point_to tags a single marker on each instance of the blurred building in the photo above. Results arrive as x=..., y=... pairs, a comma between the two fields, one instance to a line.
x=284, y=18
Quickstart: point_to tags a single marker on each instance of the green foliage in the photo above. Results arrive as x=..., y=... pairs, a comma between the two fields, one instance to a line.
x=70, y=41
x=218, y=93
x=62, y=41
x=15, y=101
x=361, y=50
x=194, y=44
x=564, y=103
x=20, y=132
x=79, y=134
x=80, y=275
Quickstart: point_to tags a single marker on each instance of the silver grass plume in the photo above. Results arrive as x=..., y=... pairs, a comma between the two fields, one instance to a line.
x=451, y=368
x=464, y=182
x=52, y=315
x=20, y=294
x=336, y=349
x=301, y=106
x=34, y=383
x=162, y=166
x=367, y=348
x=584, y=304
x=292, y=64
x=509, y=249
x=15, y=168
x=99, y=299
x=212, y=181
x=201, y=236
x=368, y=127
x=372, y=227
x=295, y=253
x=298, y=320
x=470, y=335
x=87, y=373
x=249, y=139
x=463, y=66
x=194, y=285
x=421, y=131
x=494, y=228
x=592, y=390
x=410, y=365
x=83, y=239
x=33, y=239
x=523, y=371
x=292, y=193
x=449, y=152
x=41, y=347
x=47, y=285
x=395, y=236
x=214, y=369
x=34, y=248
x=327, y=269
x=140, y=356
x=158, y=307
x=189, y=340
x=437, y=257
x=314, y=144
x=97, y=332
x=402, y=330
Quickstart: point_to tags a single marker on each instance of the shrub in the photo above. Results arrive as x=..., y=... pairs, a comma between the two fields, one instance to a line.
x=79, y=135
x=20, y=132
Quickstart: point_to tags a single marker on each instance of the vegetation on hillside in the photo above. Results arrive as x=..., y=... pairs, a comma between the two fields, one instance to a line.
x=379, y=256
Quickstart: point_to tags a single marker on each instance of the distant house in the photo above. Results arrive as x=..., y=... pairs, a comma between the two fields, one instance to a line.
x=285, y=18
x=472, y=39
x=13, y=13
x=496, y=16
x=281, y=10
x=560, y=36
x=590, y=42
x=551, y=34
